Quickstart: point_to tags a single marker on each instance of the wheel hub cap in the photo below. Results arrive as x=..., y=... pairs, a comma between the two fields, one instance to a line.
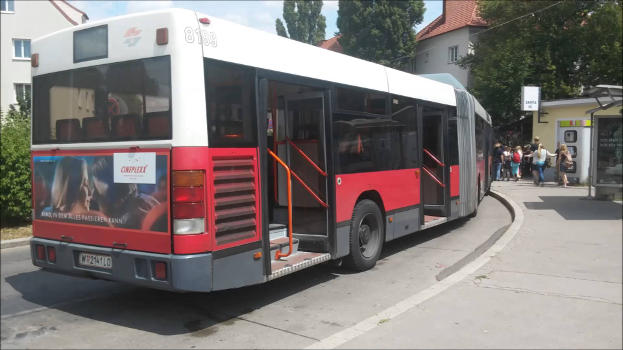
x=364, y=234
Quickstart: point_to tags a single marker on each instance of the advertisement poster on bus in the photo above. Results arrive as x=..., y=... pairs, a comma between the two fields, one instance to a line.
x=124, y=190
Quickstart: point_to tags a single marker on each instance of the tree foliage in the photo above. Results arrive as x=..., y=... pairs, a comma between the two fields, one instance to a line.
x=304, y=21
x=380, y=31
x=15, y=183
x=560, y=46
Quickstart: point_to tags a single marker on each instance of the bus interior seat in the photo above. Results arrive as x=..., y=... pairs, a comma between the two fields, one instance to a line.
x=95, y=128
x=125, y=126
x=157, y=124
x=68, y=130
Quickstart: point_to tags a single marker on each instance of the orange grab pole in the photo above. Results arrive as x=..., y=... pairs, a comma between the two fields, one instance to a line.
x=300, y=151
x=433, y=157
x=288, y=172
x=433, y=177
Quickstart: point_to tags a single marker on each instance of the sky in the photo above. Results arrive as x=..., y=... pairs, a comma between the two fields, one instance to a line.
x=257, y=14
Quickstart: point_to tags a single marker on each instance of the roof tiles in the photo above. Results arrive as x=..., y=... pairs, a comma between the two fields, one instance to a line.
x=456, y=14
x=332, y=44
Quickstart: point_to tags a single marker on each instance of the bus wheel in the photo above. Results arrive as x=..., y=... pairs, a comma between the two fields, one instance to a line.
x=366, y=236
x=473, y=215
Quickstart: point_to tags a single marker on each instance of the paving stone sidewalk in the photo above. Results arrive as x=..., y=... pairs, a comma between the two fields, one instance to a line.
x=557, y=284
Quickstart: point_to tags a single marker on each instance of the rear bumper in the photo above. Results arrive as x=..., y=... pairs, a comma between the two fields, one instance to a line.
x=184, y=272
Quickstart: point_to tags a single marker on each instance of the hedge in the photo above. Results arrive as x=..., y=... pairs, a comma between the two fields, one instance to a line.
x=15, y=179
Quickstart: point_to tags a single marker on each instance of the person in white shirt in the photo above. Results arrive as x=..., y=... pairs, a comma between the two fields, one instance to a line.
x=538, y=159
x=506, y=167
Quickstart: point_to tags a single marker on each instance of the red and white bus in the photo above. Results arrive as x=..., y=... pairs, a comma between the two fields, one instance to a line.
x=178, y=151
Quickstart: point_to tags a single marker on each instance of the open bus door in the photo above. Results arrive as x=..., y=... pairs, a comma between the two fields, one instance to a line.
x=301, y=143
x=295, y=199
x=435, y=172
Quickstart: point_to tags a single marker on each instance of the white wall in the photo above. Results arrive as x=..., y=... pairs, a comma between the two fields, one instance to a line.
x=431, y=55
x=30, y=20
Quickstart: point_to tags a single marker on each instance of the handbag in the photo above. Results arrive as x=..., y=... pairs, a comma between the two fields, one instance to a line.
x=568, y=163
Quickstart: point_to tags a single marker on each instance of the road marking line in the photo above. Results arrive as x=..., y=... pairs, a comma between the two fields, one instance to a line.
x=343, y=336
x=53, y=306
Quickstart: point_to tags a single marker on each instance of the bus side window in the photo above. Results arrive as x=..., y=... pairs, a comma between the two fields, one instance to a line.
x=368, y=143
x=453, y=141
x=230, y=104
x=404, y=111
x=359, y=100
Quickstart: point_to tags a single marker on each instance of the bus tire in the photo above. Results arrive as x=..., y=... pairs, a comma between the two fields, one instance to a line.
x=367, y=234
x=475, y=212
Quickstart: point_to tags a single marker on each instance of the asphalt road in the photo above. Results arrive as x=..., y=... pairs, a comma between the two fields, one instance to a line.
x=45, y=310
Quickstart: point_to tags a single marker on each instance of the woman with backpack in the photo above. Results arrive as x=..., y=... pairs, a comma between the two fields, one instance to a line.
x=564, y=163
x=516, y=162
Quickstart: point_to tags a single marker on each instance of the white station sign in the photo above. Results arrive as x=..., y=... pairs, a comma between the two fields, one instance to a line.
x=530, y=97
x=135, y=168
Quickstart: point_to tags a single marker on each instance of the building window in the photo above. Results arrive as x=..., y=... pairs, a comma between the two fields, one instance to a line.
x=453, y=54
x=21, y=48
x=22, y=91
x=7, y=5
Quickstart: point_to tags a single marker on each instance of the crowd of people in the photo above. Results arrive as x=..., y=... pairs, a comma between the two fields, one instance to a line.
x=530, y=160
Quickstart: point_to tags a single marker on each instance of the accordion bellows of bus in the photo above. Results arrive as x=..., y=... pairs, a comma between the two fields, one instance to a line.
x=178, y=151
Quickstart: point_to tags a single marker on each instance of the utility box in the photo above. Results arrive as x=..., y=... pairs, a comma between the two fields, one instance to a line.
x=608, y=156
x=576, y=134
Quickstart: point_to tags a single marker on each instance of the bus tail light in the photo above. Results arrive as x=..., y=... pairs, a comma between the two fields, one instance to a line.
x=51, y=254
x=189, y=211
x=40, y=252
x=188, y=194
x=160, y=270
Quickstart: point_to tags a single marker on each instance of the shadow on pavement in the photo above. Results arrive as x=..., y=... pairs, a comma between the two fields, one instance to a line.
x=577, y=208
x=168, y=313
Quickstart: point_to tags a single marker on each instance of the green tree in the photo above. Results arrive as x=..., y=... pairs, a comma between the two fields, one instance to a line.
x=561, y=46
x=380, y=31
x=15, y=185
x=304, y=21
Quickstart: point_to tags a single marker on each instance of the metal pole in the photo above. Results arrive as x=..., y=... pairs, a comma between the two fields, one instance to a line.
x=590, y=160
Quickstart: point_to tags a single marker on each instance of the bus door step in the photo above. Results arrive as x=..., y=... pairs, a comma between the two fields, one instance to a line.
x=282, y=243
x=430, y=221
x=277, y=231
x=296, y=262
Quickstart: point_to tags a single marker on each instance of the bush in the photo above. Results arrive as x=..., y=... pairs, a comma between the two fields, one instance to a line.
x=15, y=178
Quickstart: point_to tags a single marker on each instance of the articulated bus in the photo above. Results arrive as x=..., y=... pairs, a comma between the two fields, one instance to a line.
x=178, y=151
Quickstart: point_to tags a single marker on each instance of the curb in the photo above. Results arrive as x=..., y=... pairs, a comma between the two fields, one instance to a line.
x=479, y=250
x=368, y=324
x=12, y=243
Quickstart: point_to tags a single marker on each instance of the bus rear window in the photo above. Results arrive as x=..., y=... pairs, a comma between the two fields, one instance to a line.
x=111, y=102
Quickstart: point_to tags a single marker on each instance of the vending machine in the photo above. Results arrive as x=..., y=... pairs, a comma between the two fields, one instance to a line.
x=576, y=135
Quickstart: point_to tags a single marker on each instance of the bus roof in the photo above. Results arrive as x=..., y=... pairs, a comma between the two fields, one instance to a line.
x=248, y=46
x=236, y=43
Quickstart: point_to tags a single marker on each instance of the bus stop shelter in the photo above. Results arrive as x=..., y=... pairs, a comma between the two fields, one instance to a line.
x=606, y=156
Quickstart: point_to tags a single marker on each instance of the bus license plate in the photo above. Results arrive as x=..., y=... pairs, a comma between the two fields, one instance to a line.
x=95, y=260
